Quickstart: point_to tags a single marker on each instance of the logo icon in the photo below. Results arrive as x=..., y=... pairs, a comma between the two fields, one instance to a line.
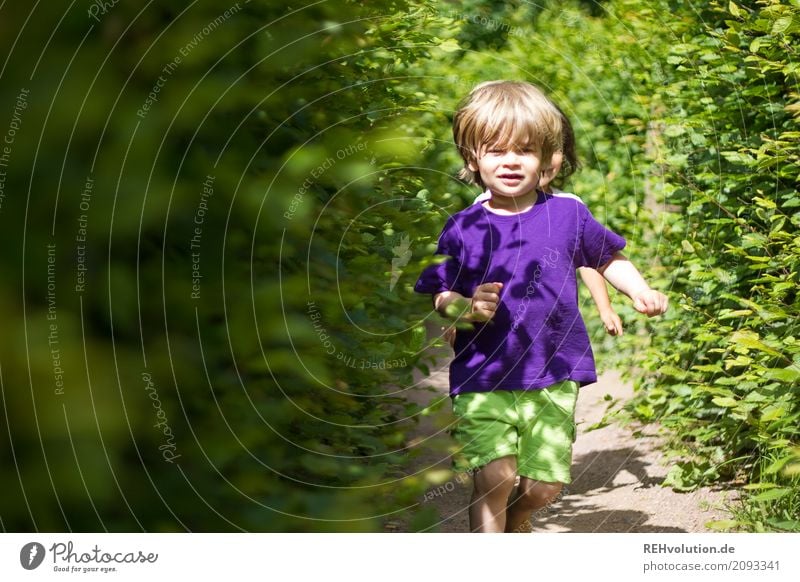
x=31, y=555
x=402, y=254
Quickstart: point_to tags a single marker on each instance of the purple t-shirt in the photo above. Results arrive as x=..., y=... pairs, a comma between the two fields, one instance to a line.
x=537, y=336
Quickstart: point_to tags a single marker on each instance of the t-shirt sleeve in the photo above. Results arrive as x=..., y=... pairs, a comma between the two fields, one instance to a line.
x=597, y=244
x=443, y=276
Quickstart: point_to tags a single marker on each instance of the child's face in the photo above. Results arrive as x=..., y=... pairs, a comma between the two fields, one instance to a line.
x=509, y=172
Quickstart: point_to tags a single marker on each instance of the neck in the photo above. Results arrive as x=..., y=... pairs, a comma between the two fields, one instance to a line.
x=512, y=204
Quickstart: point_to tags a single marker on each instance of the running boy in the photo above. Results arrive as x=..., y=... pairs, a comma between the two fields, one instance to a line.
x=511, y=271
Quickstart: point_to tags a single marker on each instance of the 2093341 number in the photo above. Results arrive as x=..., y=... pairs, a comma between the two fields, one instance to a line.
x=751, y=565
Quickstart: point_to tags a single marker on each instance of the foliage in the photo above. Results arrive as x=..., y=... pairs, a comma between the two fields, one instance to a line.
x=223, y=189
x=725, y=368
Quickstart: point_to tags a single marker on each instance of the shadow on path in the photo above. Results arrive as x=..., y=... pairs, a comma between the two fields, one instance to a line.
x=597, y=475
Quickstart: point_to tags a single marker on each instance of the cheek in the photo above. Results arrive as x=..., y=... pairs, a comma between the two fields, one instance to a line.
x=484, y=167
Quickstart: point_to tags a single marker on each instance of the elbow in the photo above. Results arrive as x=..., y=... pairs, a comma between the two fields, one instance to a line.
x=617, y=256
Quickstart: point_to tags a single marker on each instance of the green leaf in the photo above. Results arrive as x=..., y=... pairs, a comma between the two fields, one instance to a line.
x=772, y=494
x=673, y=371
x=708, y=368
x=764, y=202
x=757, y=486
x=790, y=374
x=778, y=465
x=785, y=25
x=438, y=476
x=773, y=414
x=725, y=402
x=450, y=45
x=738, y=158
x=750, y=340
x=722, y=524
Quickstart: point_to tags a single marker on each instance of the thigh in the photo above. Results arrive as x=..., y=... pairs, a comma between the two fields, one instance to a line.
x=485, y=428
x=547, y=432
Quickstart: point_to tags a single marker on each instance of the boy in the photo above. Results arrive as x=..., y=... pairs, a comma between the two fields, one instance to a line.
x=511, y=271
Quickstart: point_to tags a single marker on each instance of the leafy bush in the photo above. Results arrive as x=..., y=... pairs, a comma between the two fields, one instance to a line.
x=203, y=221
x=726, y=367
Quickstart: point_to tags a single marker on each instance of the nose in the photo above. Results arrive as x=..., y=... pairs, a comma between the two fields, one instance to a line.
x=510, y=158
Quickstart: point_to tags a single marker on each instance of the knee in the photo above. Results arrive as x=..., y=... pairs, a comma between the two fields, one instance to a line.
x=537, y=494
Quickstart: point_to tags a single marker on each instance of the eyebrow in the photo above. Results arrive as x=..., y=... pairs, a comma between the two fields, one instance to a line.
x=509, y=146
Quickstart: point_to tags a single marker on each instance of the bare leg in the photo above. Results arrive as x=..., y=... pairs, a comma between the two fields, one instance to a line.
x=492, y=485
x=530, y=496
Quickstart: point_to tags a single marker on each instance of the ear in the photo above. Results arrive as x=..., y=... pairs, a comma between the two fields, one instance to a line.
x=550, y=171
x=472, y=159
x=547, y=174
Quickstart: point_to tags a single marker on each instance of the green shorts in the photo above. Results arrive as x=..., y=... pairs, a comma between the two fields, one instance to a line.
x=535, y=426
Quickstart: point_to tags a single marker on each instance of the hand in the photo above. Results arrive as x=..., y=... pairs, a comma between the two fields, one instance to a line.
x=450, y=335
x=650, y=302
x=484, y=301
x=611, y=321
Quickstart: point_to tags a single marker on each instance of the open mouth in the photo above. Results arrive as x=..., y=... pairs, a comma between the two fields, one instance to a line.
x=511, y=177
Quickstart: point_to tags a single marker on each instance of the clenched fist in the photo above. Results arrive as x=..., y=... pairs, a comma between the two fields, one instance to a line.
x=484, y=301
x=650, y=302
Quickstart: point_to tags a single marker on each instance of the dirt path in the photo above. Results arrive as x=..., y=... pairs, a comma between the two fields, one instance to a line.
x=616, y=476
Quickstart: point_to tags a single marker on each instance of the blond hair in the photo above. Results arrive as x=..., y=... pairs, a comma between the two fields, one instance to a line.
x=507, y=115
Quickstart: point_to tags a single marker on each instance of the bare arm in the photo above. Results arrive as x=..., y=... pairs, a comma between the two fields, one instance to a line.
x=596, y=284
x=480, y=307
x=625, y=277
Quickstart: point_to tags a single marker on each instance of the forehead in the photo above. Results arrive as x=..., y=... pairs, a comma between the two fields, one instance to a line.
x=510, y=142
x=508, y=134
